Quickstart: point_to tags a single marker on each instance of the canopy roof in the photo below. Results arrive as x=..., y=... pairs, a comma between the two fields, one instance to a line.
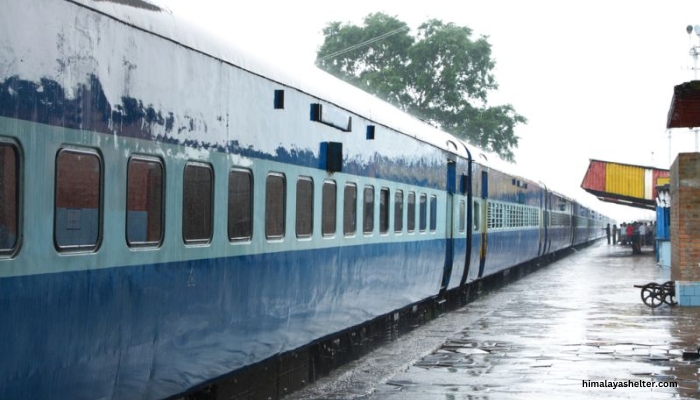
x=626, y=184
x=685, y=106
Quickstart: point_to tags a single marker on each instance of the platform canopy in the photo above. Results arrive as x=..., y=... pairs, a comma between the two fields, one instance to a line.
x=685, y=106
x=626, y=184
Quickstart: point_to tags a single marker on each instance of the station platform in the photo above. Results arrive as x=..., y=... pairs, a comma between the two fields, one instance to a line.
x=575, y=329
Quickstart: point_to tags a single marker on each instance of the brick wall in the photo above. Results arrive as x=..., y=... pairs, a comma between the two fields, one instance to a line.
x=685, y=218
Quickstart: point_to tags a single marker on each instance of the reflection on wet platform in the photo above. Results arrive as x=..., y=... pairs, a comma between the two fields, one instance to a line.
x=580, y=319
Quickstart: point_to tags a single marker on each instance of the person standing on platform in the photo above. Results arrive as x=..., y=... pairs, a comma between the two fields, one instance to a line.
x=623, y=233
x=607, y=232
x=630, y=233
x=642, y=234
x=614, y=234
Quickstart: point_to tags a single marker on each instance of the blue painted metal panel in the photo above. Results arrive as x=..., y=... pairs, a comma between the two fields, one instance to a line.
x=459, y=251
x=152, y=331
x=509, y=248
x=560, y=238
x=663, y=223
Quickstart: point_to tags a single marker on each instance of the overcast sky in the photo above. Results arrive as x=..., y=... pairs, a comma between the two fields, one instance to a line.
x=594, y=79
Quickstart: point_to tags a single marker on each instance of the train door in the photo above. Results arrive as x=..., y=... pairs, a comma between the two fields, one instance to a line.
x=449, y=222
x=553, y=233
x=574, y=222
x=544, y=224
x=470, y=209
x=484, y=231
x=463, y=256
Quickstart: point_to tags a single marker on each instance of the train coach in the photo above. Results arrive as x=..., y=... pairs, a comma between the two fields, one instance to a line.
x=174, y=210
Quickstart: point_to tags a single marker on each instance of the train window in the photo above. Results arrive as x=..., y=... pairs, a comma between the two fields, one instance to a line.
x=275, y=197
x=240, y=204
x=490, y=214
x=350, y=209
x=77, y=220
x=368, y=210
x=495, y=215
x=328, y=207
x=534, y=217
x=411, y=211
x=476, y=216
x=462, y=217
x=305, y=207
x=498, y=216
x=384, y=210
x=433, y=213
x=508, y=216
x=423, y=212
x=398, y=211
x=144, y=202
x=520, y=215
x=9, y=198
x=197, y=203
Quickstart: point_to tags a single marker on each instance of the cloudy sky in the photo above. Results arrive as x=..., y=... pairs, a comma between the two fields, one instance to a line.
x=595, y=79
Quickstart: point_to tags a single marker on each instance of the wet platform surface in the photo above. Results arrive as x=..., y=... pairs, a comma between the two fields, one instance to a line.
x=579, y=319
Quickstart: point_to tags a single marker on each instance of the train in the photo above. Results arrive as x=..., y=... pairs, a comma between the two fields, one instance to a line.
x=175, y=209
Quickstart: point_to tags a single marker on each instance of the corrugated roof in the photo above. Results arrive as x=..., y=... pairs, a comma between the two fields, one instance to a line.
x=685, y=106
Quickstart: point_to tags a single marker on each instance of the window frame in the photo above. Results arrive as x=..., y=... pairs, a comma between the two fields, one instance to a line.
x=398, y=211
x=353, y=208
x=18, y=209
x=329, y=215
x=283, y=220
x=422, y=212
x=93, y=247
x=384, y=205
x=309, y=217
x=251, y=208
x=368, y=211
x=146, y=243
x=432, y=208
x=207, y=240
x=411, y=212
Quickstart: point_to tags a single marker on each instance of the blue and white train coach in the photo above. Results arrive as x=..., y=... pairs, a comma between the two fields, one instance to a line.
x=173, y=210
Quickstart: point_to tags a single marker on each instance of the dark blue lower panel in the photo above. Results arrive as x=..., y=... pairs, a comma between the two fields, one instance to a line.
x=458, y=261
x=509, y=248
x=560, y=238
x=152, y=331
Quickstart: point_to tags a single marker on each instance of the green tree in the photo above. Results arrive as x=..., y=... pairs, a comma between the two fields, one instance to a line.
x=441, y=75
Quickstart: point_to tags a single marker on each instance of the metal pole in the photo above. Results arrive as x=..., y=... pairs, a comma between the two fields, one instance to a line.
x=669, y=148
x=695, y=78
x=694, y=50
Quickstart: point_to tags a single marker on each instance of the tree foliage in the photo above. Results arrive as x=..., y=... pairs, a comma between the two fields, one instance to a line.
x=441, y=75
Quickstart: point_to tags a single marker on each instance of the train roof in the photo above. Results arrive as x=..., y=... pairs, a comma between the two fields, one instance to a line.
x=155, y=18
